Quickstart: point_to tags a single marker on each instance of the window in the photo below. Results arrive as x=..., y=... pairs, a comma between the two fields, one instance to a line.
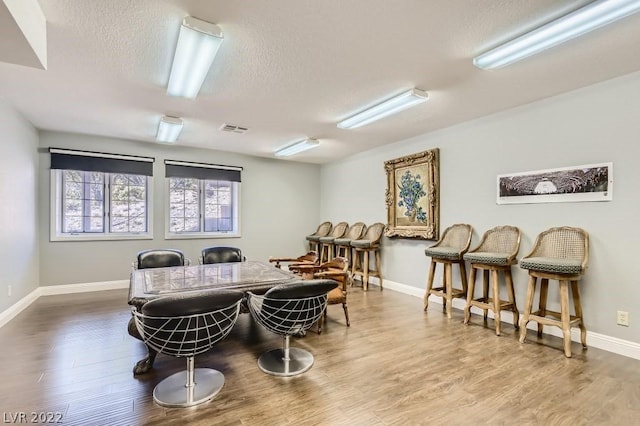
x=98, y=204
x=203, y=200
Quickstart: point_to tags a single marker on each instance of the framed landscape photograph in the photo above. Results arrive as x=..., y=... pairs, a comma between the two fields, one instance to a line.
x=590, y=182
x=413, y=195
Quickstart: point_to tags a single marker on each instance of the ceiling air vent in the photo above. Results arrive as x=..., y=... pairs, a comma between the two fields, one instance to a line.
x=233, y=128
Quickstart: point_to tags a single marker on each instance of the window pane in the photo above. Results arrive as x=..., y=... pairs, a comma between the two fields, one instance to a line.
x=191, y=210
x=128, y=203
x=176, y=210
x=72, y=224
x=191, y=225
x=218, y=206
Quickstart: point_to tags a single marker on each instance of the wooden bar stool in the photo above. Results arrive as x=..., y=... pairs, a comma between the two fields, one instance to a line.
x=343, y=245
x=370, y=242
x=495, y=254
x=559, y=254
x=314, y=239
x=449, y=250
x=327, y=247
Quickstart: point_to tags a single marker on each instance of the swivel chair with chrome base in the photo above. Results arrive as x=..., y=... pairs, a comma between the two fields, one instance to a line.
x=289, y=309
x=185, y=327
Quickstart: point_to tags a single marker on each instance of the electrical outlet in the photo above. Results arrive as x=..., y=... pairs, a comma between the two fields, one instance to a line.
x=9, y=291
x=623, y=318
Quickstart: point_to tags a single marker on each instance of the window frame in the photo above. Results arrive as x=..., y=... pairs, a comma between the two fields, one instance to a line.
x=235, y=195
x=55, y=210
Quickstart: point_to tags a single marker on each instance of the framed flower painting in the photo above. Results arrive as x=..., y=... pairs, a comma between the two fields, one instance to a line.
x=413, y=195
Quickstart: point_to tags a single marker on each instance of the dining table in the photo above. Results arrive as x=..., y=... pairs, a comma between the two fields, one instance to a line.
x=148, y=284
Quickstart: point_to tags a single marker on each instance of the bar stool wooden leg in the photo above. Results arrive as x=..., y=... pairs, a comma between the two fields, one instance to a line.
x=470, y=290
x=463, y=276
x=542, y=303
x=448, y=280
x=485, y=291
x=565, y=317
x=496, y=300
x=531, y=288
x=365, y=270
x=577, y=305
x=512, y=298
x=432, y=270
x=378, y=267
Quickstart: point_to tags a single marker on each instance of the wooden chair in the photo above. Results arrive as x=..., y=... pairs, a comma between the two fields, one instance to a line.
x=314, y=239
x=310, y=258
x=449, y=250
x=336, y=269
x=343, y=245
x=327, y=247
x=495, y=254
x=370, y=242
x=559, y=254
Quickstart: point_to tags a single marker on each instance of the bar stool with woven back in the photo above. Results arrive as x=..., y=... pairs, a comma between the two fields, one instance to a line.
x=323, y=230
x=343, y=245
x=560, y=254
x=495, y=254
x=369, y=243
x=449, y=250
x=327, y=247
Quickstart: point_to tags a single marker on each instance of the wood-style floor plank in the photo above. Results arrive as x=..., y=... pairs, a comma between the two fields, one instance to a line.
x=396, y=365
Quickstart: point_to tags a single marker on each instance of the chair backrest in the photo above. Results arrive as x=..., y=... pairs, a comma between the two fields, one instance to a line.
x=159, y=258
x=501, y=239
x=339, y=230
x=221, y=255
x=189, y=325
x=336, y=269
x=457, y=236
x=355, y=231
x=374, y=233
x=562, y=243
x=291, y=308
x=323, y=229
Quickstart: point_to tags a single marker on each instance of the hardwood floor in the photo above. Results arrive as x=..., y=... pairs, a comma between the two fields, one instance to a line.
x=395, y=365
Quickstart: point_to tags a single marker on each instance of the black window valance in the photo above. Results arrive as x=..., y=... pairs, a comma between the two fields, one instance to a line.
x=67, y=159
x=202, y=171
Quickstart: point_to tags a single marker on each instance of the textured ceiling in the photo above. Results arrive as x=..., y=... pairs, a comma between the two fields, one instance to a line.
x=290, y=69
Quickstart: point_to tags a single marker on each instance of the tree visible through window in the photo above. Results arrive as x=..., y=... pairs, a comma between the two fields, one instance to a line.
x=198, y=205
x=102, y=203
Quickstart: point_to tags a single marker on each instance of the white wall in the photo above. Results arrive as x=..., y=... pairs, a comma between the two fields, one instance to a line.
x=596, y=124
x=18, y=224
x=279, y=206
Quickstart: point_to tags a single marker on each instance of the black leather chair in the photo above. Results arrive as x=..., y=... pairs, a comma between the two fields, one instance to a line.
x=160, y=258
x=289, y=309
x=185, y=327
x=221, y=255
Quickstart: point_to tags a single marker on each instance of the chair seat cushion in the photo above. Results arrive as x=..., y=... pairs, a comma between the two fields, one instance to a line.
x=448, y=253
x=362, y=243
x=553, y=265
x=487, y=258
x=327, y=239
x=313, y=238
x=342, y=241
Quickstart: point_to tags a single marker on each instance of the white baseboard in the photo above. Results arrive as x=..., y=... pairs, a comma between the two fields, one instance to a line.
x=11, y=312
x=596, y=340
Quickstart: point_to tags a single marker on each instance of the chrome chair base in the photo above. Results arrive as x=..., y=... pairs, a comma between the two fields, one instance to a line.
x=274, y=362
x=174, y=392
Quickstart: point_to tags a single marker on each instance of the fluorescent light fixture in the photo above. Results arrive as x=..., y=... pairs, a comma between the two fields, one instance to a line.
x=197, y=46
x=169, y=129
x=590, y=17
x=297, y=147
x=388, y=107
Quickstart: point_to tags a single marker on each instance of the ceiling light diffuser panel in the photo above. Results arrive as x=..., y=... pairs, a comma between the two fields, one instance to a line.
x=390, y=106
x=169, y=129
x=592, y=16
x=297, y=148
x=198, y=44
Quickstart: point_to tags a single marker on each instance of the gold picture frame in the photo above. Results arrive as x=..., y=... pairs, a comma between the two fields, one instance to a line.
x=413, y=196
